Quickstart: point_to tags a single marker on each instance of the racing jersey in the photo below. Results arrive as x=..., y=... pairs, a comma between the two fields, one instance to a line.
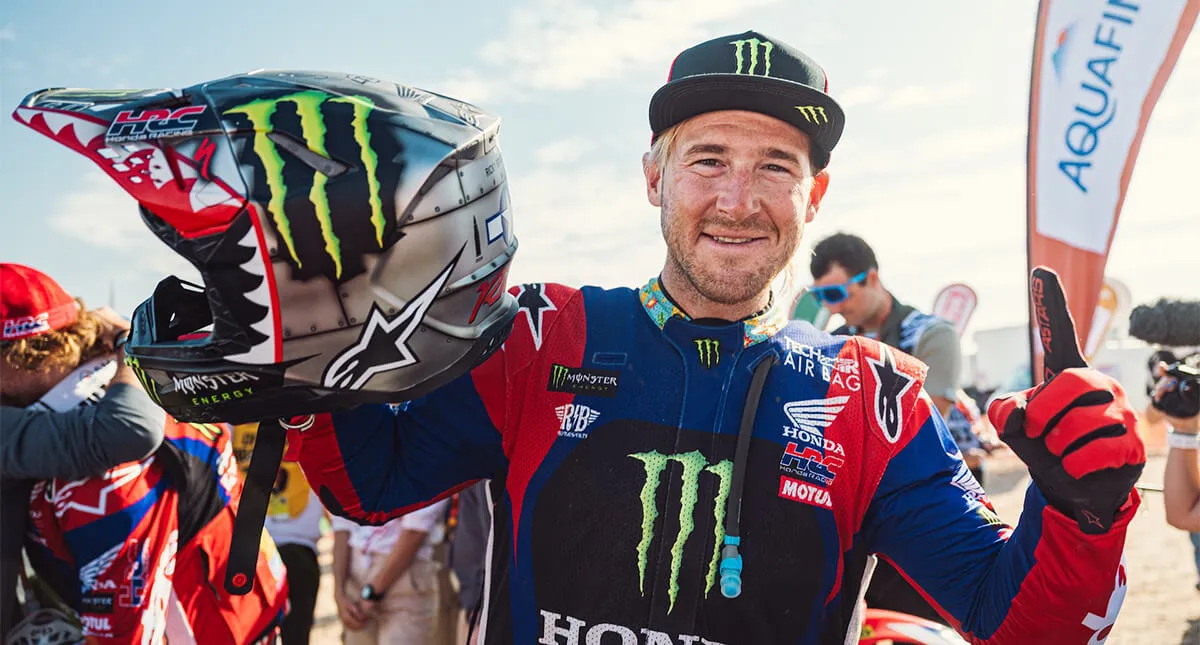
x=608, y=423
x=140, y=551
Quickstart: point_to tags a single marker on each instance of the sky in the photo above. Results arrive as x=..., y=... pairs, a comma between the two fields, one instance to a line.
x=930, y=170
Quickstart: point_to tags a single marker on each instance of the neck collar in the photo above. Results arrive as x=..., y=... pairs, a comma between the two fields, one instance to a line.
x=756, y=328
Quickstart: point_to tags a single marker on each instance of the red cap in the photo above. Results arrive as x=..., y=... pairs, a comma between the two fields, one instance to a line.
x=31, y=303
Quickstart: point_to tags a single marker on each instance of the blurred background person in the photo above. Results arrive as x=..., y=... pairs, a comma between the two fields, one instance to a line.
x=69, y=406
x=846, y=280
x=468, y=555
x=1175, y=400
x=385, y=578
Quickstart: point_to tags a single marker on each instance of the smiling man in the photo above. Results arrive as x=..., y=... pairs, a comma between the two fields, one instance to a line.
x=679, y=463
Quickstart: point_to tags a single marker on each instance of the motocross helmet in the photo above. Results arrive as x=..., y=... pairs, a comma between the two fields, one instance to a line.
x=353, y=236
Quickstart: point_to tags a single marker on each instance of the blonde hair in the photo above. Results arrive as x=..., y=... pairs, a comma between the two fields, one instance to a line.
x=77, y=343
x=660, y=150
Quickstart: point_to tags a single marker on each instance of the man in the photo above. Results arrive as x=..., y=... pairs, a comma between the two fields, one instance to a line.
x=846, y=280
x=294, y=523
x=63, y=435
x=1181, y=480
x=385, y=578
x=680, y=465
x=468, y=555
x=136, y=550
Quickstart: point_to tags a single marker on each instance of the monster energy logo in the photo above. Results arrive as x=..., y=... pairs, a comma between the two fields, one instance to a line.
x=752, y=44
x=583, y=380
x=813, y=113
x=709, y=350
x=148, y=383
x=693, y=464
x=558, y=376
x=308, y=105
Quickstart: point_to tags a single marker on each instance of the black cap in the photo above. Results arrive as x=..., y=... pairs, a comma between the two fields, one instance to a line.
x=750, y=71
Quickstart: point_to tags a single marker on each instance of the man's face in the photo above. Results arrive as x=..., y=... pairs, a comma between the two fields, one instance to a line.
x=735, y=193
x=861, y=301
x=19, y=387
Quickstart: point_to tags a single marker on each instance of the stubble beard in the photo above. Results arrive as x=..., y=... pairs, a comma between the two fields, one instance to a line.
x=726, y=283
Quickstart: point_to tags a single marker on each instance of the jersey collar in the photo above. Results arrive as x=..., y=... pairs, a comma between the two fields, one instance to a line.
x=756, y=328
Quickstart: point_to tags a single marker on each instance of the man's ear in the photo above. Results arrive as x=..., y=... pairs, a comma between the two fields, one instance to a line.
x=653, y=180
x=816, y=193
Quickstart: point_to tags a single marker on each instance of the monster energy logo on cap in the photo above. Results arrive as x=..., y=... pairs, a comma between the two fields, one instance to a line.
x=752, y=45
x=709, y=352
x=693, y=465
x=311, y=108
x=813, y=114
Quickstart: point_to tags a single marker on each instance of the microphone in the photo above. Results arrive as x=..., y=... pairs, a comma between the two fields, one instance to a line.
x=1173, y=323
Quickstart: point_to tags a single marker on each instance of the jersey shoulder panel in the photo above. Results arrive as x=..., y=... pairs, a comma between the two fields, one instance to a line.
x=892, y=387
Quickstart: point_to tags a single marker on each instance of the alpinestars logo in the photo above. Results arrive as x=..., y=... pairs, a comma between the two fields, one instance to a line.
x=747, y=62
x=574, y=419
x=383, y=344
x=814, y=114
x=312, y=109
x=709, y=352
x=692, y=465
x=890, y=386
x=532, y=301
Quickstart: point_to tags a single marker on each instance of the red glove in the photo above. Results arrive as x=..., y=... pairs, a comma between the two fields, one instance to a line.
x=1078, y=436
x=1076, y=432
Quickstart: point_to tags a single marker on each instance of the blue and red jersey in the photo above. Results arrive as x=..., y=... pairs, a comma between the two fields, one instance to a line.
x=140, y=551
x=608, y=424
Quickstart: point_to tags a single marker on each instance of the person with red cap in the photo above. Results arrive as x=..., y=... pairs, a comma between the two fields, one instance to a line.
x=125, y=512
x=46, y=335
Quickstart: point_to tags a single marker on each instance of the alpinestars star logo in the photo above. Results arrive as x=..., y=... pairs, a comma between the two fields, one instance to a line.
x=814, y=415
x=532, y=301
x=890, y=386
x=383, y=344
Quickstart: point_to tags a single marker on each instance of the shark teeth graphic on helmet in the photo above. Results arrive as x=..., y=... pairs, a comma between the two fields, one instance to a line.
x=84, y=130
x=263, y=352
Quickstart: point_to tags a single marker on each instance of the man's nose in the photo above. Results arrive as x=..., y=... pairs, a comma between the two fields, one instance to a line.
x=738, y=195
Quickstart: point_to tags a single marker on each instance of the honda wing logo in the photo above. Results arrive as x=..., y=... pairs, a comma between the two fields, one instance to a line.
x=814, y=114
x=815, y=415
x=693, y=465
x=574, y=419
x=709, y=352
x=746, y=56
x=383, y=344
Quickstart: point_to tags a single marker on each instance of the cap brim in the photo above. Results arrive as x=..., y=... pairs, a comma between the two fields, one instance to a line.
x=812, y=111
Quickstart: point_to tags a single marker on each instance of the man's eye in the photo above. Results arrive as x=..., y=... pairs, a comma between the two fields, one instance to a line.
x=709, y=162
x=774, y=167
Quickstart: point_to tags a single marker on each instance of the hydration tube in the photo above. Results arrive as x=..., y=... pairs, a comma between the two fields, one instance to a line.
x=731, y=559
